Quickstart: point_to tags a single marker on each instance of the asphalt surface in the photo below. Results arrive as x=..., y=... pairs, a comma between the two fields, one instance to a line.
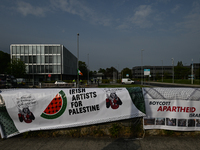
x=66, y=143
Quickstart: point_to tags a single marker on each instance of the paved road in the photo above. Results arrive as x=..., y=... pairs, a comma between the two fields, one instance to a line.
x=65, y=143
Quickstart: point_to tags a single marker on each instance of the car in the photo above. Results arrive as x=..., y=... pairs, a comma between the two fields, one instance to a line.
x=127, y=81
x=60, y=82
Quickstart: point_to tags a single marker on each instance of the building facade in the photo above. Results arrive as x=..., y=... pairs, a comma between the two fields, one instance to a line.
x=45, y=62
x=155, y=71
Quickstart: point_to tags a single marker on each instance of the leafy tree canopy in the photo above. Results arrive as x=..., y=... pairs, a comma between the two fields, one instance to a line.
x=4, y=60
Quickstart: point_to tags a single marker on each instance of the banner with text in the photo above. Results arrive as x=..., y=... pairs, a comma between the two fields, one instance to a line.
x=172, y=108
x=42, y=109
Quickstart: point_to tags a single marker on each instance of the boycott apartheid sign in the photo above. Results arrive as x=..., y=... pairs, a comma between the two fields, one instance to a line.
x=44, y=109
x=172, y=108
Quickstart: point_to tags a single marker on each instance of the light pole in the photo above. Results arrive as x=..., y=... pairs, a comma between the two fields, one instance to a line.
x=172, y=70
x=192, y=73
x=88, y=69
x=77, y=60
x=141, y=67
x=162, y=70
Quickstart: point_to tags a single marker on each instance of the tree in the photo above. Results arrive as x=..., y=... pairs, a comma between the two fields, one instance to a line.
x=109, y=72
x=126, y=71
x=4, y=61
x=17, y=68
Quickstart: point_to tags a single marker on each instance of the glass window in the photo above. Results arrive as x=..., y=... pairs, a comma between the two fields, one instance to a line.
x=50, y=49
x=30, y=69
x=22, y=49
x=18, y=49
x=26, y=59
x=30, y=59
x=38, y=59
x=42, y=49
x=54, y=49
x=14, y=50
x=46, y=59
x=34, y=68
x=42, y=59
x=50, y=59
x=34, y=49
x=59, y=69
x=18, y=56
x=54, y=59
x=34, y=59
x=50, y=69
x=38, y=68
x=38, y=49
x=46, y=49
x=22, y=58
x=59, y=58
x=59, y=51
x=54, y=69
x=30, y=50
x=26, y=49
x=46, y=69
x=42, y=69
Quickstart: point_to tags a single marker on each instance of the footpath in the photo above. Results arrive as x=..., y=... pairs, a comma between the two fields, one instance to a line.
x=65, y=143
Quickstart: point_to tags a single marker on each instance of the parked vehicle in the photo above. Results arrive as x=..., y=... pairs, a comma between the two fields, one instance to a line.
x=60, y=82
x=7, y=81
x=127, y=81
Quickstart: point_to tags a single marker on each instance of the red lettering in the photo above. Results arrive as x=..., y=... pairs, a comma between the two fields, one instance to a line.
x=178, y=109
x=160, y=108
x=164, y=108
x=169, y=108
x=174, y=108
x=193, y=109
x=182, y=108
x=187, y=109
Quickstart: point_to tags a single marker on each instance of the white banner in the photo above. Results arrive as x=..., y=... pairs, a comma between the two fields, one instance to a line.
x=41, y=109
x=172, y=108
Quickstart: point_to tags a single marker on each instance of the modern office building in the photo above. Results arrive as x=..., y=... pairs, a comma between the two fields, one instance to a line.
x=46, y=62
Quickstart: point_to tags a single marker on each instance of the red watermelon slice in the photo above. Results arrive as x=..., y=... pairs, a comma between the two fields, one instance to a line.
x=56, y=107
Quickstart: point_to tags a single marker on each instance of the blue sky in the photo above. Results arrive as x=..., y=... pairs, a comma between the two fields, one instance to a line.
x=112, y=32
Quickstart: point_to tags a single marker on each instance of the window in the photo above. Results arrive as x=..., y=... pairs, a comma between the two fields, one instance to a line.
x=58, y=58
x=26, y=59
x=38, y=49
x=14, y=50
x=58, y=50
x=34, y=49
x=50, y=49
x=38, y=69
x=42, y=69
x=22, y=58
x=30, y=50
x=54, y=59
x=50, y=69
x=42, y=49
x=26, y=49
x=46, y=69
x=38, y=59
x=30, y=69
x=54, y=49
x=50, y=59
x=30, y=59
x=34, y=59
x=42, y=59
x=59, y=69
x=54, y=69
x=18, y=49
x=22, y=49
x=46, y=59
x=46, y=49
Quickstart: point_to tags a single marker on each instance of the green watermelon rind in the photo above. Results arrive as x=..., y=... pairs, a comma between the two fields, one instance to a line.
x=58, y=114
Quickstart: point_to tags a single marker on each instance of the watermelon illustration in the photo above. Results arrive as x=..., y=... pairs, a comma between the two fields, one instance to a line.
x=56, y=107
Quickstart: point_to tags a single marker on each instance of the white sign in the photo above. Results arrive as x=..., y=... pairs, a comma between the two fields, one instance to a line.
x=44, y=109
x=172, y=108
x=146, y=72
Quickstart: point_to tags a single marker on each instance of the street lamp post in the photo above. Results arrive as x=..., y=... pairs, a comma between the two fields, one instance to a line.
x=88, y=69
x=172, y=70
x=192, y=73
x=77, y=60
x=141, y=67
x=162, y=70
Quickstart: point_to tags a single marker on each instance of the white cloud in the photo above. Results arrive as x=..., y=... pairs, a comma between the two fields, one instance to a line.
x=141, y=16
x=26, y=8
x=175, y=9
